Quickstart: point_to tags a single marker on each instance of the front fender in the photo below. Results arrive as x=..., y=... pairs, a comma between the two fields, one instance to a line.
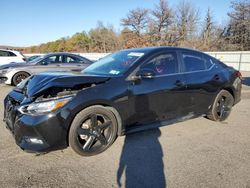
x=105, y=96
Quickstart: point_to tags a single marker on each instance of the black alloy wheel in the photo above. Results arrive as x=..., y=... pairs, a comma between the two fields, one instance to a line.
x=222, y=106
x=18, y=77
x=92, y=131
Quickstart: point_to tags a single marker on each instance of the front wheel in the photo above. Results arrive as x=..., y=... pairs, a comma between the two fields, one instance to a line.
x=92, y=131
x=18, y=77
x=222, y=106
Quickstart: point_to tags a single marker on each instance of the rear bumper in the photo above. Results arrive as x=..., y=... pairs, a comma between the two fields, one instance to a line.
x=237, y=90
x=41, y=133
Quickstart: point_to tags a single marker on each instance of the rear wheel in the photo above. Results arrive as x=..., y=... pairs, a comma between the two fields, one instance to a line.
x=18, y=77
x=92, y=131
x=222, y=106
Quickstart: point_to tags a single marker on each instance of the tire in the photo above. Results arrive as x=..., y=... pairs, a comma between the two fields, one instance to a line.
x=18, y=77
x=222, y=106
x=92, y=131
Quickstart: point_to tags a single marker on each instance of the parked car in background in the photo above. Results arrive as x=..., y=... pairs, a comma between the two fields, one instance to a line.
x=8, y=56
x=127, y=91
x=16, y=72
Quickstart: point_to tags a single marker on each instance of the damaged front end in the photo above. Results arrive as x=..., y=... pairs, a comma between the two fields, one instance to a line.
x=47, y=92
x=36, y=110
x=52, y=84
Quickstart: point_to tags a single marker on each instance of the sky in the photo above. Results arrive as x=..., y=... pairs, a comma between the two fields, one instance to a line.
x=32, y=22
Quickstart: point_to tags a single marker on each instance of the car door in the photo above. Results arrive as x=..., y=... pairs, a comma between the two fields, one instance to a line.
x=201, y=80
x=160, y=97
x=51, y=63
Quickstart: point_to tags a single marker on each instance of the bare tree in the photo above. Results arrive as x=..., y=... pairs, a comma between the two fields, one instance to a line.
x=187, y=17
x=238, y=32
x=161, y=21
x=208, y=28
x=103, y=38
x=136, y=20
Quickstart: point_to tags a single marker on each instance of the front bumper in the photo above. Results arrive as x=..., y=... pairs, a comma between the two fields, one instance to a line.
x=8, y=75
x=3, y=79
x=41, y=133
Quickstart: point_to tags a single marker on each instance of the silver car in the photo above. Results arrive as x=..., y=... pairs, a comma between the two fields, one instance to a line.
x=14, y=73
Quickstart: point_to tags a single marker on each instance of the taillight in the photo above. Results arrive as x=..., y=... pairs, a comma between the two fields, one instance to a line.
x=238, y=74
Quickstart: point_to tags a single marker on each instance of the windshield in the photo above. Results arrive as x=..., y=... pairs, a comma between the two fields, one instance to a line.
x=36, y=59
x=32, y=58
x=114, y=64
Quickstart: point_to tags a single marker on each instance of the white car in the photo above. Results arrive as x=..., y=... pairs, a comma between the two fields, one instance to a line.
x=8, y=56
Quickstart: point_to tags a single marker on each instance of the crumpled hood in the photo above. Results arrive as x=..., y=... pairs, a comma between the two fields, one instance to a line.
x=37, y=84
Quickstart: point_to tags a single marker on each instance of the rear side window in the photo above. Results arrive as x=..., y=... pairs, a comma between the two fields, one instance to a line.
x=4, y=53
x=71, y=59
x=193, y=62
x=163, y=64
x=208, y=61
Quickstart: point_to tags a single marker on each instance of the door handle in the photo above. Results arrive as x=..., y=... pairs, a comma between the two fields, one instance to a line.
x=179, y=83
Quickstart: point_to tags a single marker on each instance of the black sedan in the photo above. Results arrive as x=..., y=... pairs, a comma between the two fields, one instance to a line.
x=127, y=91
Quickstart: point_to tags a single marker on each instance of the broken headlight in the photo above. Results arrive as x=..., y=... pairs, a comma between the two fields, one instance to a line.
x=41, y=107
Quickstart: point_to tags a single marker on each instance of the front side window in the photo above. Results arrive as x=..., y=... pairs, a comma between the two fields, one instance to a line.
x=163, y=64
x=193, y=62
x=53, y=59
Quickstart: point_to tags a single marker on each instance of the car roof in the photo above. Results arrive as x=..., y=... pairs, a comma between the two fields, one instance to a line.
x=65, y=53
x=61, y=53
x=9, y=50
x=159, y=48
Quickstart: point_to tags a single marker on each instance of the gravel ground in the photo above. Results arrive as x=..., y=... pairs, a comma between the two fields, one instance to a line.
x=195, y=153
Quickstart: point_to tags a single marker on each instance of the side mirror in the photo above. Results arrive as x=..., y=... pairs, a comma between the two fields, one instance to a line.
x=145, y=74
